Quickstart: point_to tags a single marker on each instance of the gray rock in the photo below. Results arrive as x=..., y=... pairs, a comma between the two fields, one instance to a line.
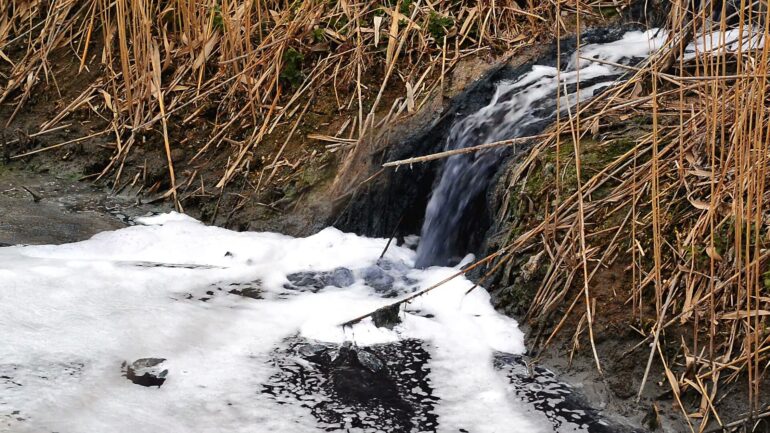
x=340, y=277
x=313, y=352
x=390, y=265
x=306, y=280
x=315, y=281
x=376, y=278
x=370, y=361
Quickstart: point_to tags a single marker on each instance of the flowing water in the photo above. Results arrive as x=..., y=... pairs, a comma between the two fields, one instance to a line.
x=524, y=107
x=519, y=108
x=173, y=326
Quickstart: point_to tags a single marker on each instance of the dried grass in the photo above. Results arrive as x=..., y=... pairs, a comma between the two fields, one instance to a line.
x=684, y=210
x=259, y=63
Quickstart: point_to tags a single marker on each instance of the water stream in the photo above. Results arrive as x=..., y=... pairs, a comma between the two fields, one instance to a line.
x=174, y=326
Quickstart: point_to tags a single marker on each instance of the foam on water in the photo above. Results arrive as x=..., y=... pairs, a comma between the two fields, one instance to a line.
x=71, y=314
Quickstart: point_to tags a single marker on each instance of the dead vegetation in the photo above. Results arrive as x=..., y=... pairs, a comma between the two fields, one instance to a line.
x=680, y=203
x=245, y=70
x=663, y=178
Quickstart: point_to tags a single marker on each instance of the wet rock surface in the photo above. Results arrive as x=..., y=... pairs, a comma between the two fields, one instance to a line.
x=315, y=281
x=146, y=371
x=387, y=278
x=387, y=388
x=45, y=209
x=247, y=289
x=565, y=408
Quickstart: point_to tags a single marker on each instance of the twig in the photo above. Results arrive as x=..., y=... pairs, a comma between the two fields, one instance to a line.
x=77, y=140
x=448, y=153
x=424, y=291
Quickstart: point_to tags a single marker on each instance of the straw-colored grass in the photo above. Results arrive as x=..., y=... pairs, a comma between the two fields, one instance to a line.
x=683, y=208
x=262, y=65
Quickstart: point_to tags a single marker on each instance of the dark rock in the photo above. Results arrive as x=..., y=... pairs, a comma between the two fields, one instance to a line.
x=370, y=361
x=387, y=316
x=251, y=289
x=355, y=382
x=249, y=292
x=146, y=371
x=317, y=353
x=356, y=387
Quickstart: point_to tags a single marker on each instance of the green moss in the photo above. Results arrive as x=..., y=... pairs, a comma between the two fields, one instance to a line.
x=340, y=24
x=608, y=11
x=292, y=67
x=318, y=34
x=438, y=25
x=642, y=120
x=405, y=6
x=528, y=201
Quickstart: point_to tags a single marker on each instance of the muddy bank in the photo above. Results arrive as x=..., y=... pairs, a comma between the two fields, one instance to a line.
x=40, y=208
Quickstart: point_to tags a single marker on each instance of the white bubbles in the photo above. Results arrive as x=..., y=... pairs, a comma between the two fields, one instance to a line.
x=174, y=288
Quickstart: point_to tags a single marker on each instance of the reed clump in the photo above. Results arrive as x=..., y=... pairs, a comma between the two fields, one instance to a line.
x=248, y=69
x=682, y=206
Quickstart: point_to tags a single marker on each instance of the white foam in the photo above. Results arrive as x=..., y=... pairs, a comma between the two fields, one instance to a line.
x=71, y=314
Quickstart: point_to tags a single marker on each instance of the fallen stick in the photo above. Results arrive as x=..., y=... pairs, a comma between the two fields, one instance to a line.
x=424, y=291
x=740, y=422
x=39, y=133
x=471, y=149
x=77, y=140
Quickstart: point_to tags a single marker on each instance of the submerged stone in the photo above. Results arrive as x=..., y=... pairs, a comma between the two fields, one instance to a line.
x=340, y=277
x=370, y=361
x=387, y=316
x=358, y=376
x=376, y=278
x=315, y=281
x=355, y=386
x=314, y=352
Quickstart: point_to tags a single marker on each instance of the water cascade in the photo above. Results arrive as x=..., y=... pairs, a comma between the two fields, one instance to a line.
x=519, y=108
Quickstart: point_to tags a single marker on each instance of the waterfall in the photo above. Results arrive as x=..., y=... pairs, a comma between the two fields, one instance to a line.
x=519, y=108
